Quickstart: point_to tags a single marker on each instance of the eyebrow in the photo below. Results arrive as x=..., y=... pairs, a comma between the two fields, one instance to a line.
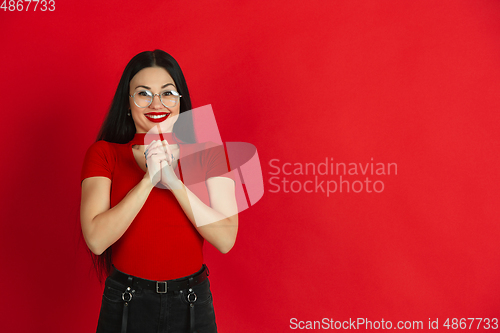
x=165, y=85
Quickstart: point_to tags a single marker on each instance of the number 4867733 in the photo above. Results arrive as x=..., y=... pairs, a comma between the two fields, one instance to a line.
x=26, y=5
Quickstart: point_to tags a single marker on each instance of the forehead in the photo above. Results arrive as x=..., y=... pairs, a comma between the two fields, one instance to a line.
x=151, y=76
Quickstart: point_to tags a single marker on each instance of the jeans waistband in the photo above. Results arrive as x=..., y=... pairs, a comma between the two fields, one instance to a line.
x=161, y=287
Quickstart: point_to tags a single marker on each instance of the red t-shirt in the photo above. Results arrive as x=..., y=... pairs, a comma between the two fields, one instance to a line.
x=160, y=243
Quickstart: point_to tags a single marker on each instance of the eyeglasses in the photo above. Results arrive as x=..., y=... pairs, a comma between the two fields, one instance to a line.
x=144, y=98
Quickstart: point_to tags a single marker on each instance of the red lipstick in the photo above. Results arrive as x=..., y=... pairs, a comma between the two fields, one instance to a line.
x=157, y=117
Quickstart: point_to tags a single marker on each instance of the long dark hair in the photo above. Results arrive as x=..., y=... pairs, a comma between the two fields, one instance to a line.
x=118, y=127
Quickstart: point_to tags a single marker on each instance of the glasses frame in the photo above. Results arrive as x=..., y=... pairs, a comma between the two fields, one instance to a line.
x=175, y=93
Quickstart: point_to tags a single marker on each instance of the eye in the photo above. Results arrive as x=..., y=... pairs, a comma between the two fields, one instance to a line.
x=144, y=93
x=169, y=93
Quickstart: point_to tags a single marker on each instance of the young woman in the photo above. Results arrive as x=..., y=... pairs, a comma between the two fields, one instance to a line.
x=145, y=225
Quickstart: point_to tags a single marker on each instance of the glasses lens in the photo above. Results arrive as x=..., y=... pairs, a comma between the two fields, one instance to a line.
x=169, y=98
x=143, y=98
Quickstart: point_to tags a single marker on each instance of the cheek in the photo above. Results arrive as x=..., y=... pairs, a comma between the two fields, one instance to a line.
x=176, y=110
x=136, y=115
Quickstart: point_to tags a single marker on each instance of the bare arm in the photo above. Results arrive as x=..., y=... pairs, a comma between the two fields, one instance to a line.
x=102, y=225
x=218, y=223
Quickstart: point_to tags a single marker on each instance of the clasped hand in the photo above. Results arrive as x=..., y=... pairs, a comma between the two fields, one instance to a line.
x=160, y=162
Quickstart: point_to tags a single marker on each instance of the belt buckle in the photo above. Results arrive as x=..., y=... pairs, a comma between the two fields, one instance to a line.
x=161, y=287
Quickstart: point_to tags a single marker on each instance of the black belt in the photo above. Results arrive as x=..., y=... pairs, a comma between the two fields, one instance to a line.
x=162, y=287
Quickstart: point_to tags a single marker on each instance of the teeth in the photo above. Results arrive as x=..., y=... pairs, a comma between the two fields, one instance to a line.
x=156, y=116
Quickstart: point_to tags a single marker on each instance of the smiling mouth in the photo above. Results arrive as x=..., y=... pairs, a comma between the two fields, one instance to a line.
x=157, y=116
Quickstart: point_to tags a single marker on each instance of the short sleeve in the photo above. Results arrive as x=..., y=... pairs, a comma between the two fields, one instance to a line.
x=99, y=161
x=217, y=163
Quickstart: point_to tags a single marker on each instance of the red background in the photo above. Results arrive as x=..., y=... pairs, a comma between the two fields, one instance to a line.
x=413, y=83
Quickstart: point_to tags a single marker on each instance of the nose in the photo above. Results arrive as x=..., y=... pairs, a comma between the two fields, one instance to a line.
x=156, y=103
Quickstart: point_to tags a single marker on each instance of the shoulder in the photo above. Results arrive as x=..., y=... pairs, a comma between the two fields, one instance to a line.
x=100, y=145
x=103, y=147
x=215, y=160
x=214, y=150
x=102, y=152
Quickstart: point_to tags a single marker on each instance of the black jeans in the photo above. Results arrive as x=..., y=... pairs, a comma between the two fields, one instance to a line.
x=151, y=312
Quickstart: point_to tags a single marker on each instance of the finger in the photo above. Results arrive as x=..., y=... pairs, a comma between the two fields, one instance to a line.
x=154, y=144
x=159, y=151
x=161, y=145
x=150, y=152
x=164, y=145
x=154, y=158
x=168, y=151
x=162, y=149
x=149, y=147
x=154, y=149
x=164, y=163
